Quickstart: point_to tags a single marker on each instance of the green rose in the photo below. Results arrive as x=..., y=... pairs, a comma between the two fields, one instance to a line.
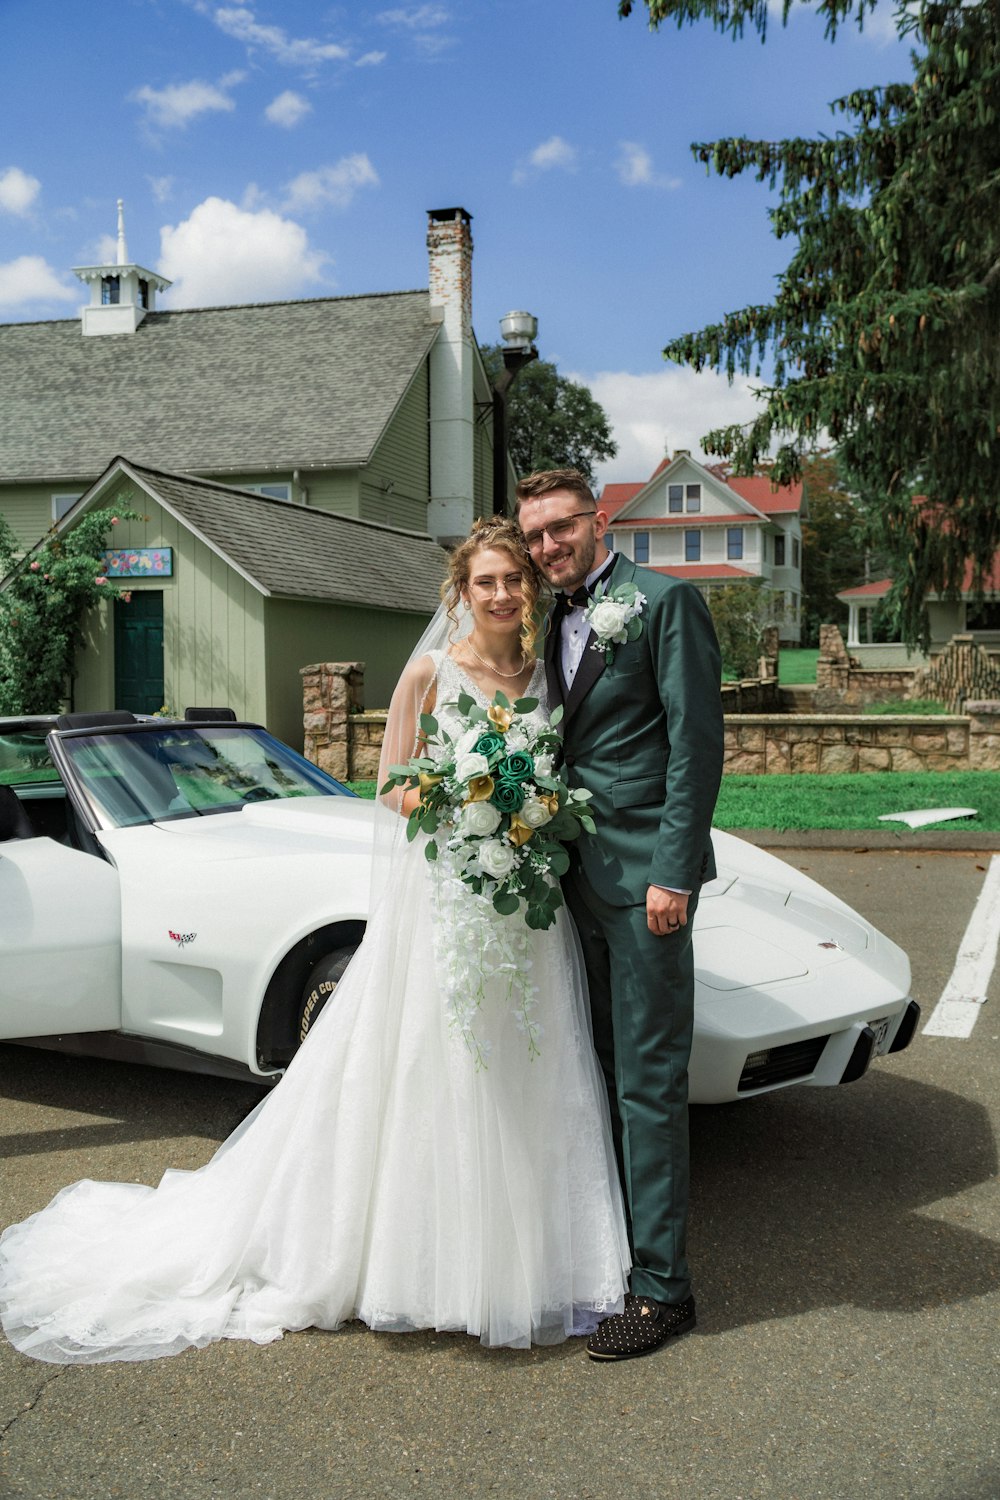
x=517, y=767
x=489, y=744
x=508, y=795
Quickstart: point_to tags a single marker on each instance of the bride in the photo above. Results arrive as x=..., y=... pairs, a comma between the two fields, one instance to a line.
x=387, y=1177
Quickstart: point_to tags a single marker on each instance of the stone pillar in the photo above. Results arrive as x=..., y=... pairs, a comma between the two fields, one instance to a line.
x=331, y=692
x=984, y=734
x=832, y=668
x=770, y=645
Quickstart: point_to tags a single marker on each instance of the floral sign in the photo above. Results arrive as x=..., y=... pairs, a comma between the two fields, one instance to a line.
x=140, y=562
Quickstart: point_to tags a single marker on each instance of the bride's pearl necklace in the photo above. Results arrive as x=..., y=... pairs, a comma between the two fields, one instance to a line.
x=496, y=670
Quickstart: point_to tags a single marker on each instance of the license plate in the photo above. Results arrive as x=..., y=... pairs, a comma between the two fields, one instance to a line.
x=881, y=1030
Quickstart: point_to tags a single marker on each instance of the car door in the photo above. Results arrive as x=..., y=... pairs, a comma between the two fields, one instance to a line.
x=60, y=913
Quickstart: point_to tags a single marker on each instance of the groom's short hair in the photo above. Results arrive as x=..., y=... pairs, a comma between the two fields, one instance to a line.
x=544, y=481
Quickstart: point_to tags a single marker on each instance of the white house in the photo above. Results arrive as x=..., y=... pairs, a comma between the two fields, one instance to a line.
x=689, y=522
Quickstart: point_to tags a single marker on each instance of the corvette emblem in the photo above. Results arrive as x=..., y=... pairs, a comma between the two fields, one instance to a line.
x=182, y=938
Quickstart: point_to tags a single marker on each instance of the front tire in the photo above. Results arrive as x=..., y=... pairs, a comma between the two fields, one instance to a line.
x=323, y=980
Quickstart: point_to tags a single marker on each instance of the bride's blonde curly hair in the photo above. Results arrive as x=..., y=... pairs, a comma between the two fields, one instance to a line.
x=506, y=535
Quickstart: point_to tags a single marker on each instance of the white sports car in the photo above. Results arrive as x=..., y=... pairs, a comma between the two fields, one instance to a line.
x=189, y=893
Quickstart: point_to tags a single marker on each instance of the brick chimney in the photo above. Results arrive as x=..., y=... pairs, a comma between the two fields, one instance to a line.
x=452, y=408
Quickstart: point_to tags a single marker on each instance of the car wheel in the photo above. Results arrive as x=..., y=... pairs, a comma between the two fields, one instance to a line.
x=323, y=980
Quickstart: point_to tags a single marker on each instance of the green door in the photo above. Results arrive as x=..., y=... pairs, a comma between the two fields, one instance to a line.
x=139, y=652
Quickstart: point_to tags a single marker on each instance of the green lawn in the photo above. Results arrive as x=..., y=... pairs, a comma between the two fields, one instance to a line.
x=797, y=665
x=855, y=801
x=808, y=801
x=911, y=706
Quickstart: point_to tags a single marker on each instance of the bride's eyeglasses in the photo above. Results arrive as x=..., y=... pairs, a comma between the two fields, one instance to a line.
x=486, y=588
x=556, y=531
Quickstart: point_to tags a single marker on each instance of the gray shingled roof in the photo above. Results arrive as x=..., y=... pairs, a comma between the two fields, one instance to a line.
x=297, y=551
x=218, y=389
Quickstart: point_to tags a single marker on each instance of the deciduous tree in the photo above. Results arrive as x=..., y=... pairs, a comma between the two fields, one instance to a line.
x=552, y=422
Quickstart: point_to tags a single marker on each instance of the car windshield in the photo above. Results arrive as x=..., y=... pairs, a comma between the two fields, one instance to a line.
x=24, y=756
x=185, y=772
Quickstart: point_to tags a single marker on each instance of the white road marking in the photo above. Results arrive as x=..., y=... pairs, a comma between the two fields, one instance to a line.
x=957, y=1011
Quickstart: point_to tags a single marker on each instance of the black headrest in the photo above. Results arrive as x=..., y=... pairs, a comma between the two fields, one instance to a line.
x=14, y=821
x=96, y=721
x=210, y=715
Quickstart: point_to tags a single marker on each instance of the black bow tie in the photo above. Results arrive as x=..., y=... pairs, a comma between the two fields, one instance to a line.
x=582, y=595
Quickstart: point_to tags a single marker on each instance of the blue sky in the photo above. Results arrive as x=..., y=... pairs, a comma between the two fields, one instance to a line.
x=289, y=148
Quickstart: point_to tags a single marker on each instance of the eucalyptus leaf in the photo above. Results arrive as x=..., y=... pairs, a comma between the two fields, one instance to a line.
x=430, y=851
x=525, y=705
x=555, y=717
x=633, y=629
x=501, y=699
x=505, y=903
x=465, y=703
x=428, y=724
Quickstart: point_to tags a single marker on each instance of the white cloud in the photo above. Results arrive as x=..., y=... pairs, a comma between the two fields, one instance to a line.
x=334, y=185
x=18, y=191
x=106, y=250
x=370, y=60
x=415, y=17
x=173, y=107
x=662, y=411
x=635, y=168
x=287, y=109
x=30, y=279
x=553, y=153
x=222, y=253
x=162, y=187
x=299, y=52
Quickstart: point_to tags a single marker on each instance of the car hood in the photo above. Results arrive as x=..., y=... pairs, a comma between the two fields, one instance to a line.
x=293, y=825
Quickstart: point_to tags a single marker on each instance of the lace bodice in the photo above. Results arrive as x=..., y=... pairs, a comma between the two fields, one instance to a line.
x=451, y=681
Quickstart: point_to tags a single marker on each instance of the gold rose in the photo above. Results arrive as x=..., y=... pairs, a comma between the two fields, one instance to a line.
x=480, y=789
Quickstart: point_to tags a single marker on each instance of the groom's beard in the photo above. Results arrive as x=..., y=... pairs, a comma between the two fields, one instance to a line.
x=583, y=554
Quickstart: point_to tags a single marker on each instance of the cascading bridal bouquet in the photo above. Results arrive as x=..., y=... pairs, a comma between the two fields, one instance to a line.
x=497, y=815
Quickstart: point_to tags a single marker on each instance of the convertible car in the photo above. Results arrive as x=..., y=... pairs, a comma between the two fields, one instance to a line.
x=188, y=894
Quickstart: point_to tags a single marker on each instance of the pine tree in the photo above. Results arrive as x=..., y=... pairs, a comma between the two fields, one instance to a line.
x=885, y=330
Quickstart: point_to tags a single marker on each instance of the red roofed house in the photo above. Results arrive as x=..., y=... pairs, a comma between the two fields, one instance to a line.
x=947, y=617
x=690, y=523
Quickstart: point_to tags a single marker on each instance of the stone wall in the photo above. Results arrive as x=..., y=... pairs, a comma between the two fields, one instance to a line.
x=344, y=740
x=963, y=670
x=792, y=744
x=753, y=695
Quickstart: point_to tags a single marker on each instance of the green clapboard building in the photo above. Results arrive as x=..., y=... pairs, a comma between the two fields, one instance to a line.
x=301, y=464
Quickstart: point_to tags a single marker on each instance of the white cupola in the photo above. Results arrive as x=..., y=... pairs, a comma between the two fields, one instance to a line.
x=121, y=294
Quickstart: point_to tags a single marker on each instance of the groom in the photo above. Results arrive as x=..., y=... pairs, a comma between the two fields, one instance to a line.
x=643, y=732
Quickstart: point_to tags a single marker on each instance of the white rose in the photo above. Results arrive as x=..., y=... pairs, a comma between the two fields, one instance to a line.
x=608, y=618
x=480, y=819
x=543, y=763
x=467, y=741
x=470, y=765
x=535, y=813
x=496, y=858
x=516, y=739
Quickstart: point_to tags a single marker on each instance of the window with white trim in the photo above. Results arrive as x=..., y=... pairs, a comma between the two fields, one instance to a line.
x=779, y=552
x=692, y=546
x=62, y=503
x=692, y=496
x=796, y=554
x=271, y=491
x=641, y=553
x=675, y=497
x=609, y=540
x=734, y=543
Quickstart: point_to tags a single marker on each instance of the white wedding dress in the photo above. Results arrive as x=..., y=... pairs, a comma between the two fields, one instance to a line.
x=385, y=1178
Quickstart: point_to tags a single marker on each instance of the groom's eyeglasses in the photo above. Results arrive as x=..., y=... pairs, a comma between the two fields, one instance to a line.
x=556, y=531
x=512, y=584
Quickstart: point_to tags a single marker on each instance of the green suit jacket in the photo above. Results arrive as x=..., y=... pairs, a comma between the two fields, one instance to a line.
x=643, y=733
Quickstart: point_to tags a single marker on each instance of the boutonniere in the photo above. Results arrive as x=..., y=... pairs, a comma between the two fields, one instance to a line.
x=613, y=616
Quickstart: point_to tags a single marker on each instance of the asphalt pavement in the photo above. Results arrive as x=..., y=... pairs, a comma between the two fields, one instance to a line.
x=846, y=1246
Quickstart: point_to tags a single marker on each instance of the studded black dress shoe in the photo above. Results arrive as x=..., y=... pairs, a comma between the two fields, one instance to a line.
x=642, y=1328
